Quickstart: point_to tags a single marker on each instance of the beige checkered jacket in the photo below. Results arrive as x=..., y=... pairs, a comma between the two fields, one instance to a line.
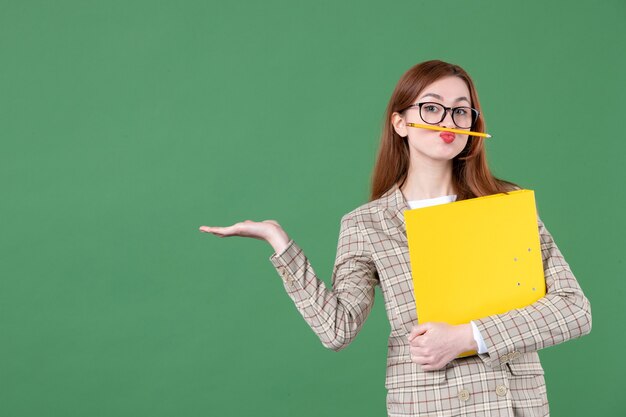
x=372, y=250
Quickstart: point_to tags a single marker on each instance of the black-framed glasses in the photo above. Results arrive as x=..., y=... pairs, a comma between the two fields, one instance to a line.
x=432, y=113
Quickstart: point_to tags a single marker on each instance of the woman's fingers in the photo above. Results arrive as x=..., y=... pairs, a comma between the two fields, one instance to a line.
x=417, y=331
x=428, y=362
x=233, y=230
x=418, y=351
x=421, y=359
x=219, y=231
x=417, y=341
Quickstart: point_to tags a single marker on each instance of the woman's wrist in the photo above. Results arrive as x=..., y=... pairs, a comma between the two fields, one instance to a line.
x=278, y=240
x=466, y=335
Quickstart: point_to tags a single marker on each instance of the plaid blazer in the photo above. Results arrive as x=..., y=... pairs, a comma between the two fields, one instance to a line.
x=373, y=250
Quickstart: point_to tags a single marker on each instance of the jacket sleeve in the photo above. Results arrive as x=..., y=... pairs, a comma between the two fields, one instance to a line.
x=336, y=315
x=564, y=313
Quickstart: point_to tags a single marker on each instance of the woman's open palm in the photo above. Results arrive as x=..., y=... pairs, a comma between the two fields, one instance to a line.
x=268, y=230
x=257, y=230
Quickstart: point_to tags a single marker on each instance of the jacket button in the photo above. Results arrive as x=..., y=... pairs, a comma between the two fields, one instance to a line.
x=464, y=395
x=501, y=390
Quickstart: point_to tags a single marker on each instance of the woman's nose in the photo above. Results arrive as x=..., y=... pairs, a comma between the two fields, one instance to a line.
x=447, y=119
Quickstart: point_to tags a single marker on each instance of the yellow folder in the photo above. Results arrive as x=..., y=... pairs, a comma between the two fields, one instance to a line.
x=475, y=258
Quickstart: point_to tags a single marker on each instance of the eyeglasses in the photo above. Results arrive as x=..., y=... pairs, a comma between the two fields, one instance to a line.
x=433, y=113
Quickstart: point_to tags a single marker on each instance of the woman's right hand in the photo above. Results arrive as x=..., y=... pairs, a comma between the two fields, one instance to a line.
x=268, y=230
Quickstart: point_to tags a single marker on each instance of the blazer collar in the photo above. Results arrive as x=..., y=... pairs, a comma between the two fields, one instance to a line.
x=396, y=204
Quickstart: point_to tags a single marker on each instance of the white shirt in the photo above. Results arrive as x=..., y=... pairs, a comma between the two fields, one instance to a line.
x=482, y=348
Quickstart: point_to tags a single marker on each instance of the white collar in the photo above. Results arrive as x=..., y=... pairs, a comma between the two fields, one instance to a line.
x=432, y=201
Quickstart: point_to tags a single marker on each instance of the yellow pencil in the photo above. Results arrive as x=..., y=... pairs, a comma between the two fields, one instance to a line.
x=445, y=129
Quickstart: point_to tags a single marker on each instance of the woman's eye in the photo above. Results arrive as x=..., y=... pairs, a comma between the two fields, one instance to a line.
x=461, y=112
x=431, y=109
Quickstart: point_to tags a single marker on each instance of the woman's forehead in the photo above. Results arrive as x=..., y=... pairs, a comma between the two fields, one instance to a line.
x=447, y=88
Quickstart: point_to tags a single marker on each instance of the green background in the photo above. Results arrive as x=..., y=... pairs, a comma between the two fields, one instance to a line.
x=125, y=125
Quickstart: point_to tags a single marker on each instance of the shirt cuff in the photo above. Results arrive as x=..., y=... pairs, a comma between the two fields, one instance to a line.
x=282, y=252
x=482, y=348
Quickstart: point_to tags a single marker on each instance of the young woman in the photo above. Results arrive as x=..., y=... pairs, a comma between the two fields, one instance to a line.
x=417, y=167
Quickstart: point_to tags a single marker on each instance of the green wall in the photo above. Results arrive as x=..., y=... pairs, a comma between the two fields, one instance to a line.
x=125, y=125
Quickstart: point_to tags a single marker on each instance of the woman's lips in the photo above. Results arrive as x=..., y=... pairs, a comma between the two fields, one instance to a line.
x=448, y=137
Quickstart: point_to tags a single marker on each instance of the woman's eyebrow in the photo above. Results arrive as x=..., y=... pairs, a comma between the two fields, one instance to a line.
x=438, y=97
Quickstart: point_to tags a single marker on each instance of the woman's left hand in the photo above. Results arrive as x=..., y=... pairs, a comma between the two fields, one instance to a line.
x=433, y=345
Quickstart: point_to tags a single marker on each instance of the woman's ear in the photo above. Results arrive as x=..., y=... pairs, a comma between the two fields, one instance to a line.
x=399, y=124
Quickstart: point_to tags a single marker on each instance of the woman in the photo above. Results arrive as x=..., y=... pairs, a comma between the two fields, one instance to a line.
x=417, y=167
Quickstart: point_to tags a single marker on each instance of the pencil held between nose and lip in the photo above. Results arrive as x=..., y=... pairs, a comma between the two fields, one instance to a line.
x=446, y=129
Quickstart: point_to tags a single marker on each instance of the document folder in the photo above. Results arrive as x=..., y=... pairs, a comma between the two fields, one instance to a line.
x=475, y=258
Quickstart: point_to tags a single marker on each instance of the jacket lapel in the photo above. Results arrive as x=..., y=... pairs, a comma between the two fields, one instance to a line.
x=394, y=202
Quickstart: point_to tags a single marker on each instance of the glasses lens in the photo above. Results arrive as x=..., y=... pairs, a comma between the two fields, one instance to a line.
x=464, y=117
x=432, y=112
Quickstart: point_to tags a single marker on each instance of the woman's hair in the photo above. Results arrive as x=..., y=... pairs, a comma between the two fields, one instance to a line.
x=471, y=176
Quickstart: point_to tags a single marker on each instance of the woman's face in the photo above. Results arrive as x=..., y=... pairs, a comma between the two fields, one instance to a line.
x=429, y=145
